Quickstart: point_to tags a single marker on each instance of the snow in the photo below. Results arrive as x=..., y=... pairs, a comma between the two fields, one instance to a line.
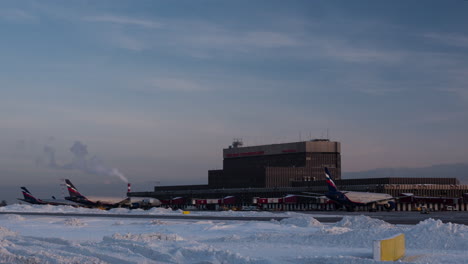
x=154, y=211
x=301, y=221
x=362, y=222
x=437, y=235
x=297, y=239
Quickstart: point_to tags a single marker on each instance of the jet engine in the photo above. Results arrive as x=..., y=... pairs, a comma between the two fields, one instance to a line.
x=390, y=205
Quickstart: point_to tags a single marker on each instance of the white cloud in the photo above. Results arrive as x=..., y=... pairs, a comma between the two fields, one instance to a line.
x=193, y=36
x=128, y=42
x=122, y=20
x=177, y=85
x=16, y=15
x=441, y=118
x=252, y=39
x=457, y=82
x=452, y=39
x=215, y=81
x=271, y=39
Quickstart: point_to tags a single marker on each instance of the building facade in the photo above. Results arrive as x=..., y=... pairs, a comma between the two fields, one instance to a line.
x=275, y=177
x=276, y=165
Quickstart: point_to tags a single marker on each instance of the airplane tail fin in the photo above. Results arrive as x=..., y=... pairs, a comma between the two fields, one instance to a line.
x=331, y=185
x=28, y=197
x=72, y=191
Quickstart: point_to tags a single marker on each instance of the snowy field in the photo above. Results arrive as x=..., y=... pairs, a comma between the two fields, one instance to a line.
x=298, y=239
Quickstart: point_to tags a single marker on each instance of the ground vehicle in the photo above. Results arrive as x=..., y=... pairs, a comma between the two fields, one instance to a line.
x=449, y=208
x=423, y=210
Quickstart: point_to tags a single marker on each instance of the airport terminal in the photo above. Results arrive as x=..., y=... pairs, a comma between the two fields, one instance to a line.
x=279, y=176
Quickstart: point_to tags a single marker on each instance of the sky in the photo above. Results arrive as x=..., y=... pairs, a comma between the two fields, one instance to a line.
x=152, y=91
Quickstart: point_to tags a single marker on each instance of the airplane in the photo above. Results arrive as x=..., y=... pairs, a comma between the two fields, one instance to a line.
x=29, y=198
x=77, y=197
x=352, y=199
x=142, y=202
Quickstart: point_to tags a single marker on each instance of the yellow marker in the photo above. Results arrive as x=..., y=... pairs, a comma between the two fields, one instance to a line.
x=185, y=212
x=390, y=249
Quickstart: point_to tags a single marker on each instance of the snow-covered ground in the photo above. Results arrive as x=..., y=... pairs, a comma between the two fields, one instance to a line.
x=153, y=211
x=298, y=239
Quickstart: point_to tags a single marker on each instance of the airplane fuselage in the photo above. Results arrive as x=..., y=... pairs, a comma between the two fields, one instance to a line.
x=359, y=198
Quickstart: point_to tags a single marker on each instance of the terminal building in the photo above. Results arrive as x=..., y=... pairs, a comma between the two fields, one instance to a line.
x=277, y=165
x=276, y=176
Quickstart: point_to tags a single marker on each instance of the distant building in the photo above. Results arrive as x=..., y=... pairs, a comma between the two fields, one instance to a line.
x=276, y=165
x=277, y=176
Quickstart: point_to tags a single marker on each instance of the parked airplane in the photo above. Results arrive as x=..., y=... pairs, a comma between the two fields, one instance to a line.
x=77, y=197
x=143, y=202
x=29, y=198
x=352, y=199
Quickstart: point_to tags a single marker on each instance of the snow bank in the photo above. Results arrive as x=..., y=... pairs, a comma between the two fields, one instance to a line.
x=144, y=237
x=157, y=222
x=73, y=222
x=13, y=217
x=433, y=234
x=122, y=211
x=301, y=221
x=362, y=222
x=351, y=232
x=5, y=232
x=39, y=208
x=357, y=232
x=208, y=254
x=161, y=211
x=336, y=260
x=299, y=239
x=117, y=223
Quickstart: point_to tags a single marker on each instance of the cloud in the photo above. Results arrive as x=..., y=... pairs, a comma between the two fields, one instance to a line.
x=352, y=54
x=128, y=42
x=207, y=40
x=452, y=39
x=16, y=15
x=442, y=118
x=191, y=36
x=249, y=39
x=81, y=162
x=125, y=21
x=455, y=82
x=461, y=92
x=177, y=85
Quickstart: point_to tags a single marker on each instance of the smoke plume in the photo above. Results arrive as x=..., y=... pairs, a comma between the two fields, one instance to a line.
x=51, y=155
x=82, y=162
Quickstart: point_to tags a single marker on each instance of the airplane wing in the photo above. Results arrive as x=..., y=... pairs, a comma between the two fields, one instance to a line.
x=124, y=201
x=378, y=201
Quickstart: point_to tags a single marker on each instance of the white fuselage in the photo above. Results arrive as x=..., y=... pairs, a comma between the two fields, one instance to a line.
x=368, y=197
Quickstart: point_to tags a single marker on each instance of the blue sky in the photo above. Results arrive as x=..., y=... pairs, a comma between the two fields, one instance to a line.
x=156, y=89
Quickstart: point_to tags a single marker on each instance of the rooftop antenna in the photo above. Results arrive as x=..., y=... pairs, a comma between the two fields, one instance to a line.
x=237, y=142
x=327, y=134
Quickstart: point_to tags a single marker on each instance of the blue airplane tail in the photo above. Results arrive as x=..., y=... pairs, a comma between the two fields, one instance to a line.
x=330, y=183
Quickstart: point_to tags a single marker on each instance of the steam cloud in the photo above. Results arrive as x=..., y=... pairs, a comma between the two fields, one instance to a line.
x=51, y=155
x=81, y=162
